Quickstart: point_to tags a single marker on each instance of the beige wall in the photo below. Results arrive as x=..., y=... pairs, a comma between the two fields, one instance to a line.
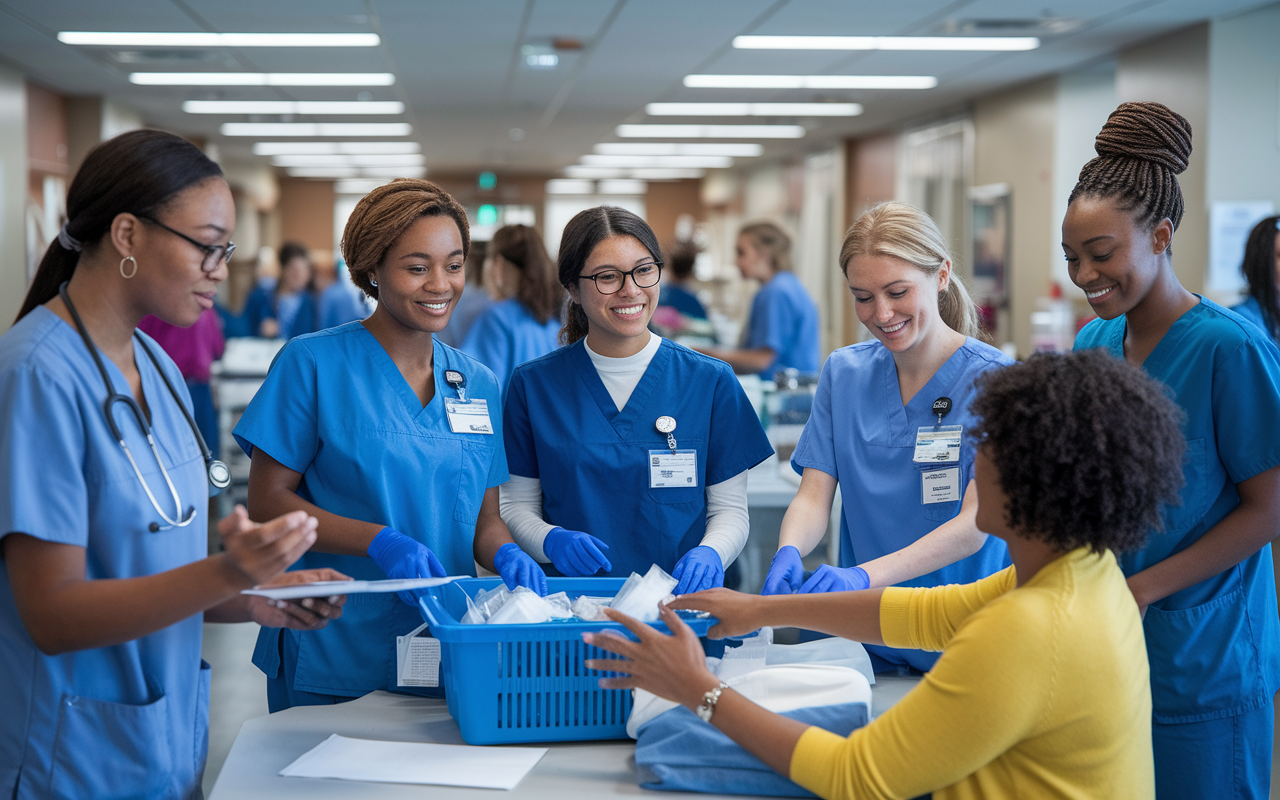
x=1014, y=144
x=870, y=176
x=665, y=201
x=306, y=213
x=13, y=193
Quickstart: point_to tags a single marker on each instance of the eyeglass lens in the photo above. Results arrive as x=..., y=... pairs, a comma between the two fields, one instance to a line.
x=610, y=281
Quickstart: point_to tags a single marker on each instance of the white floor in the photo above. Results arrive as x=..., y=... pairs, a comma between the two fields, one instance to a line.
x=238, y=691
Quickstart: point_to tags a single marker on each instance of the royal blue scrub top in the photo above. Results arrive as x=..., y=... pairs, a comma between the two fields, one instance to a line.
x=336, y=408
x=129, y=720
x=1214, y=648
x=563, y=428
x=784, y=319
x=506, y=335
x=1251, y=310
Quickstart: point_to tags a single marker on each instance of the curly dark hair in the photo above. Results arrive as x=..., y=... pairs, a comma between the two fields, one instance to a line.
x=1087, y=448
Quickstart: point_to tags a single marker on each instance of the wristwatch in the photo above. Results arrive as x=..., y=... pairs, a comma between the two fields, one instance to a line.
x=709, y=701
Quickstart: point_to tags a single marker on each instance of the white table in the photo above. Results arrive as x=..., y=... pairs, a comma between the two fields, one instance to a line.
x=569, y=771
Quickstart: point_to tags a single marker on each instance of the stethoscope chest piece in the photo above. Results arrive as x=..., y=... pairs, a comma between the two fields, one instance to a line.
x=219, y=475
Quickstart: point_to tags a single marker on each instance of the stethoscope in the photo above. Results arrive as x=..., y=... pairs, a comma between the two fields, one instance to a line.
x=219, y=475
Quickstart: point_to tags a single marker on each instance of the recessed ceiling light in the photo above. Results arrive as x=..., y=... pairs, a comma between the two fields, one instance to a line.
x=356, y=186
x=356, y=160
x=334, y=129
x=710, y=131
x=262, y=78
x=886, y=42
x=166, y=39
x=622, y=186
x=356, y=172
x=753, y=109
x=330, y=148
x=293, y=107
x=694, y=162
x=743, y=150
x=810, y=81
x=570, y=186
x=647, y=174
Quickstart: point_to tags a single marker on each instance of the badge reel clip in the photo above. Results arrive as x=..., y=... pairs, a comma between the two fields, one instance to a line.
x=459, y=383
x=941, y=407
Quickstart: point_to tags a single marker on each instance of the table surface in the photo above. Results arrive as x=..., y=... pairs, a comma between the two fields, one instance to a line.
x=569, y=770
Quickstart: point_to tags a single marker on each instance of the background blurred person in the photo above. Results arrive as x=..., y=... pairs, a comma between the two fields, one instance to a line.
x=1261, y=269
x=475, y=297
x=337, y=298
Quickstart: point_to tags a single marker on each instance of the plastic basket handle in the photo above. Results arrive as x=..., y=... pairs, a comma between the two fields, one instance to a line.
x=434, y=610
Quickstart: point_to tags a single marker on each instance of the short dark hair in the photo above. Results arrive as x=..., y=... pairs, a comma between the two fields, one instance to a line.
x=1087, y=448
x=291, y=250
x=586, y=230
x=680, y=259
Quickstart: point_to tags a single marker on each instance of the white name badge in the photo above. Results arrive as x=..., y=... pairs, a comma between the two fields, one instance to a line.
x=668, y=470
x=938, y=445
x=417, y=659
x=940, y=486
x=470, y=416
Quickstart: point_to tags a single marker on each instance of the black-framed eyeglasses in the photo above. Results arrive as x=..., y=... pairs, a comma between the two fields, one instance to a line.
x=214, y=254
x=610, y=281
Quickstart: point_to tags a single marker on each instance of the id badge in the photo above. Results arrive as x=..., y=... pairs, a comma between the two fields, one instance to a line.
x=470, y=416
x=940, y=486
x=417, y=659
x=938, y=445
x=669, y=470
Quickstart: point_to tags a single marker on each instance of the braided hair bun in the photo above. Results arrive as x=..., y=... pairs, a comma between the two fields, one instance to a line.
x=1141, y=150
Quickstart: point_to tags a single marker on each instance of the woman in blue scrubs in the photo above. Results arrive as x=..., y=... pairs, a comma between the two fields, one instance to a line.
x=525, y=324
x=888, y=427
x=391, y=439
x=1205, y=582
x=626, y=449
x=107, y=576
x=1261, y=269
x=782, y=331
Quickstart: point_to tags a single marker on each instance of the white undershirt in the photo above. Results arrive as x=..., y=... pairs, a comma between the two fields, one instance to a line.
x=520, y=500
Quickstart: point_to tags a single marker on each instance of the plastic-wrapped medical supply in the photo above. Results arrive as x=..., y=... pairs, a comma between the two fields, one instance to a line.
x=561, y=608
x=639, y=596
x=524, y=606
x=591, y=609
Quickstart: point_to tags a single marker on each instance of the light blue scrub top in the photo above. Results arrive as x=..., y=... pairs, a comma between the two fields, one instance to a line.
x=784, y=318
x=1251, y=310
x=563, y=428
x=339, y=303
x=129, y=720
x=506, y=335
x=1214, y=648
x=335, y=408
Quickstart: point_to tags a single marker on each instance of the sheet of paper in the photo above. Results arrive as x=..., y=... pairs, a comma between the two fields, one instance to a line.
x=330, y=588
x=413, y=762
x=1229, y=226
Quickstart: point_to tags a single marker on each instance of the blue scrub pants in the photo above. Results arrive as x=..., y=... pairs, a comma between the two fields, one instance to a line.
x=1220, y=758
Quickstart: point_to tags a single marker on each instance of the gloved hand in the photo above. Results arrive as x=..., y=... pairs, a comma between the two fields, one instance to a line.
x=574, y=553
x=786, y=572
x=698, y=569
x=400, y=556
x=518, y=569
x=834, y=579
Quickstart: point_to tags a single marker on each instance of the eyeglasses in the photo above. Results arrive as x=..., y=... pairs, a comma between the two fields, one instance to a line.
x=214, y=254
x=610, y=281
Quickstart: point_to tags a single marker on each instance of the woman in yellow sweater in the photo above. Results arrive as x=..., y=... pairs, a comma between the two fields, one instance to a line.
x=1042, y=689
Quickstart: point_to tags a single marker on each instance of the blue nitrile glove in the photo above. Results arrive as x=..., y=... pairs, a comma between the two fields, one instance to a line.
x=834, y=579
x=400, y=556
x=786, y=572
x=517, y=569
x=574, y=553
x=698, y=569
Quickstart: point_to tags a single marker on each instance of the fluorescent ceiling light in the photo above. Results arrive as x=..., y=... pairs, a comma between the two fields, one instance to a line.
x=392, y=172
x=570, y=186
x=293, y=107
x=695, y=162
x=356, y=186
x=362, y=160
x=810, y=81
x=622, y=186
x=163, y=39
x=649, y=174
x=743, y=150
x=886, y=42
x=710, y=131
x=316, y=129
x=262, y=78
x=356, y=172
x=332, y=148
x=753, y=109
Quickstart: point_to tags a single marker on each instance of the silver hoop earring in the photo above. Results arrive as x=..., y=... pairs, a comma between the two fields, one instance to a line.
x=373, y=283
x=135, y=267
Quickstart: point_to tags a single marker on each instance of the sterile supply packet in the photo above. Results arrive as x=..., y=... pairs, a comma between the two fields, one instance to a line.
x=523, y=607
x=591, y=609
x=561, y=608
x=639, y=596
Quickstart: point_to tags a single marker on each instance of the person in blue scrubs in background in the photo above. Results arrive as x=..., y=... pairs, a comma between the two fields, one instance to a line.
x=525, y=324
x=107, y=575
x=626, y=450
x=782, y=331
x=392, y=440
x=1204, y=583
x=1261, y=268
x=338, y=301
x=675, y=288
x=909, y=511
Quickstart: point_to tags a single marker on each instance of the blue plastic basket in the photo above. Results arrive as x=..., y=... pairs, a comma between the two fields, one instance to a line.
x=528, y=683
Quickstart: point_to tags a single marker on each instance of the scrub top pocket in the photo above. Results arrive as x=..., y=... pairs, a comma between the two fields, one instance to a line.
x=348, y=660
x=473, y=475
x=677, y=495
x=135, y=740
x=940, y=512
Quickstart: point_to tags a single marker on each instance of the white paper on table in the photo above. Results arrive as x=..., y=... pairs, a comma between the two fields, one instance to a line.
x=331, y=588
x=412, y=762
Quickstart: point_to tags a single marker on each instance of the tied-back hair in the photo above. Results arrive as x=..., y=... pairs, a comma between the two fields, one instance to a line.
x=773, y=240
x=381, y=218
x=586, y=230
x=902, y=231
x=1259, y=269
x=540, y=291
x=134, y=173
x=1142, y=149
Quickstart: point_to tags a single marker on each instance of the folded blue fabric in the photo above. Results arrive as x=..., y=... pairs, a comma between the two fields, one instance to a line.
x=677, y=752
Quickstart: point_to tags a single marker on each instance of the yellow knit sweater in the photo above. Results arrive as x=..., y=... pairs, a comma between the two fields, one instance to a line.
x=1042, y=691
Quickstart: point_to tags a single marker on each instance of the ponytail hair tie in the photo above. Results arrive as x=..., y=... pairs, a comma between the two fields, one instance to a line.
x=68, y=241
